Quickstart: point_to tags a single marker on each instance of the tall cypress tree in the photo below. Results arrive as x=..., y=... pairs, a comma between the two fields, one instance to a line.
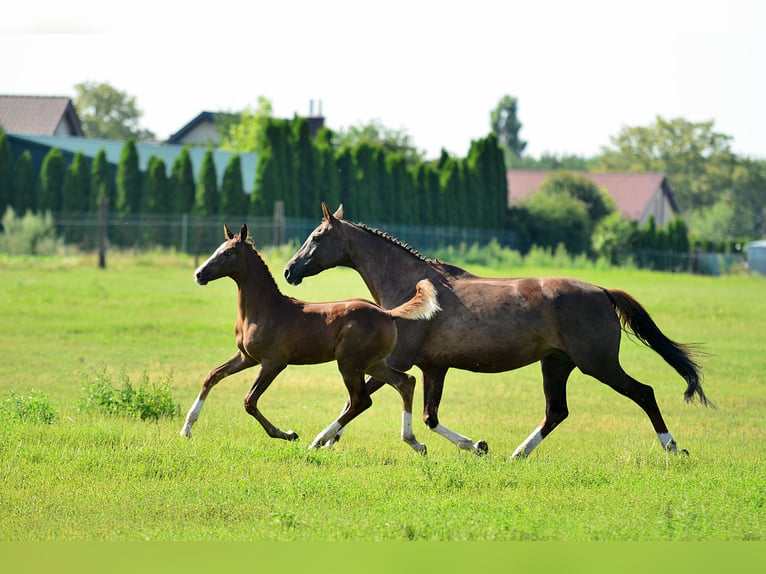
x=156, y=195
x=76, y=188
x=344, y=161
x=267, y=185
x=328, y=184
x=207, y=200
x=101, y=182
x=233, y=197
x=128, y=180
x=182, y=183
x=24, y=184
x=305, y=158
x=51, y=181
x=6, y=172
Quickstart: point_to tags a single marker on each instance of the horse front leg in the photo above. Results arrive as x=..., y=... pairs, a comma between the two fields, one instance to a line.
x=265, y=377
x=433, y=384
x=237, y=363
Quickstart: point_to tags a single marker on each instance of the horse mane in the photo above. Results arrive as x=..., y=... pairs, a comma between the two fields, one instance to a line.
x=446, y=267
x=394, y=241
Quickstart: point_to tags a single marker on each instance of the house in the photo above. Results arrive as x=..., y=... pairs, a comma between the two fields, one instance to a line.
x=205, y=128
x=39, y=116
x=39, y=146
x=637, y=195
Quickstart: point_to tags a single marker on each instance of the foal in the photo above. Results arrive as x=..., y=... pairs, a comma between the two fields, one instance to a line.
x=274, y=330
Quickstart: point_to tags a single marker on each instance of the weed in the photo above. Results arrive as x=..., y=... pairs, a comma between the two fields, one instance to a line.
x=36, y=408
x=146, y=400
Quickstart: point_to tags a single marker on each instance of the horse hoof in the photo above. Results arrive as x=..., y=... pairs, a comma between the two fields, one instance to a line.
x=291, y=435
x=481, y=448
x=684, y=452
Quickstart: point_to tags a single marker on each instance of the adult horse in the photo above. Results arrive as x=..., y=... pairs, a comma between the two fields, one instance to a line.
x=275, y=331
x=493, y=325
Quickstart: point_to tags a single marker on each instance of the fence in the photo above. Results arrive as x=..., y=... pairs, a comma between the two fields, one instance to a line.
x=199, y=235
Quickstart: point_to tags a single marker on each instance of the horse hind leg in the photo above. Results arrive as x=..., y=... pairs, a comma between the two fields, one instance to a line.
x=405, y=386
x=556, y=370
x=433, y=384
x=372, y=385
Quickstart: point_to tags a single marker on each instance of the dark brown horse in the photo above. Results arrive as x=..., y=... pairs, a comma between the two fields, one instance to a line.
x=493, y=325
x=275, y=331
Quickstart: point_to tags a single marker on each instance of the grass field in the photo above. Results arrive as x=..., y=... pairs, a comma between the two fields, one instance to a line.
x=601, y=476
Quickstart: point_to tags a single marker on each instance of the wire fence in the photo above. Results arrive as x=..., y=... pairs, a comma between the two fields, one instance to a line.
x=201, y=235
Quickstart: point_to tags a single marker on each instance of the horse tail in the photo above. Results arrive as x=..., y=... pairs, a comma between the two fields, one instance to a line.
x=636, y=319
x=422, y=306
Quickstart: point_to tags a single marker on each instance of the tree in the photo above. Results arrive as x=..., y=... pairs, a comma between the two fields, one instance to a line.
x=51, y=181
x=245, y=133
x=76, y=188
x=156, y=188
x=6, y=172
x=375, y=133
x=128, y=181
x=234, y=200
x=182, y=183
x=101, y=182
x=106, y=112
x=506, y=126
x=597, y=201
x=24, y=184
x=306, y=173
x=696, y=160
x=553, y=218
x=207, y=200
x=328, y=184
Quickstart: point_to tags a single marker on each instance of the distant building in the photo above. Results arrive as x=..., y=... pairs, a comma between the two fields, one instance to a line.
x=39, y=116
x=637, y=195
x=205, y=128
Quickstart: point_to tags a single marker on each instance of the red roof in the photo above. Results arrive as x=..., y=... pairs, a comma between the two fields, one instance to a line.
x=631, y=192
x=38, y=115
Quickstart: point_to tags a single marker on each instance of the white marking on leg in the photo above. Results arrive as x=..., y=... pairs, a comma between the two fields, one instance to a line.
x=461, y=441
x=529, y=445
x=408, y=435
x=192, y=416
x=666, y=440
x=327, y=436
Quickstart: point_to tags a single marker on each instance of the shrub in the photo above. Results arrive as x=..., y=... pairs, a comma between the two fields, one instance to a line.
x=28, y=235
x=146, y=400
x=36, y=408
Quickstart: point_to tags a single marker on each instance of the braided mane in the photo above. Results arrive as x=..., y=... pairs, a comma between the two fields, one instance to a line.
x=393, y=240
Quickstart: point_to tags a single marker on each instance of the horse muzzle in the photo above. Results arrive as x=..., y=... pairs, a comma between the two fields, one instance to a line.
x=292, y=277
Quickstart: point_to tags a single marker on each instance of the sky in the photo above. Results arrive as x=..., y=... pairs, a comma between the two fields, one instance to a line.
x=581, y=70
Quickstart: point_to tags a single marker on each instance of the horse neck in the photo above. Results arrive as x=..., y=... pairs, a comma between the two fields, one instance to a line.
x=389, y=270
x=257, y=290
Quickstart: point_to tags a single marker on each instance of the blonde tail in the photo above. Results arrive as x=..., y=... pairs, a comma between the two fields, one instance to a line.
x=422, y=306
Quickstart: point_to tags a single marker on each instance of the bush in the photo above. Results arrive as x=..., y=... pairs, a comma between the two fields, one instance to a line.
x=145, y=401
x=29, y=235
x=36, y=408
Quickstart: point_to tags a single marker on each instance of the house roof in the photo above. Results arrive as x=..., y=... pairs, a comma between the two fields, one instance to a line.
x=630, y=191
x=201, y=118
x=38, y=115
x=166, y=152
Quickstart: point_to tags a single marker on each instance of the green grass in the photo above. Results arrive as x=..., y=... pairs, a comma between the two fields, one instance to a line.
x=601, y=476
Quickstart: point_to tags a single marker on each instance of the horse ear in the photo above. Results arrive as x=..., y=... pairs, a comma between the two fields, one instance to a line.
x=339, y=212
x=326, y=212
x=227, y=232
x=243, y=232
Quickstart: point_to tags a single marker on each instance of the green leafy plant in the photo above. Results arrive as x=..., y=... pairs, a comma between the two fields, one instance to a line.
x=35, y=408
x=147, y=400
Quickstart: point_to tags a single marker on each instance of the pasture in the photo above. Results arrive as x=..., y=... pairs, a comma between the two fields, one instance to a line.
x=600, y=476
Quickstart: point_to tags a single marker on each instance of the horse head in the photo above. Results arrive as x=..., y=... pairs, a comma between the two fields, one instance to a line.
x=324, y=248
x=226, y=260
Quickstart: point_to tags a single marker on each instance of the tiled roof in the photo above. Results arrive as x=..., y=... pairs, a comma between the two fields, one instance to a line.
x=37, y=115
x=630, y=191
